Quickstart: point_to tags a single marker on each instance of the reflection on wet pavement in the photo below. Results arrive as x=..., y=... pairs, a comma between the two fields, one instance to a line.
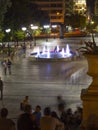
x=43, y=82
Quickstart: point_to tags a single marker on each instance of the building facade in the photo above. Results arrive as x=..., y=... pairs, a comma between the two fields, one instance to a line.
x=58, y=9
x=55, y=9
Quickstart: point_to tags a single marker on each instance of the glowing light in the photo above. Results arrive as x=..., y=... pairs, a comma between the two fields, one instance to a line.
x=58, y=13
x=67, y=49
x=44, y=49
x=63, y=53
x=48, y=53
x=34, y=27
x=46, y=26
x=54, y=26
x=52, y=54
x=24, y=28
x=57, y=48
x=8, y=30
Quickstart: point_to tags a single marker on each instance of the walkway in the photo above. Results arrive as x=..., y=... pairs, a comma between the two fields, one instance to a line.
x=43, y=82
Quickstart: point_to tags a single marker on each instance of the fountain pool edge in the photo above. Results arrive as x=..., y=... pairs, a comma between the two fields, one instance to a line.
x=50, y=59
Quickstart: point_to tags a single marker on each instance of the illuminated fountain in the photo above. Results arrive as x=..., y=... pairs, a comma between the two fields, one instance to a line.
x=55, y=54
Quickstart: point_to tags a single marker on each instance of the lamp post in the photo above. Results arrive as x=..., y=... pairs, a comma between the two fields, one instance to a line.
x=92, y=28
x=54, y=27
x=24, y=29
x=46, y=27
x=34, y=28
x=8, y=31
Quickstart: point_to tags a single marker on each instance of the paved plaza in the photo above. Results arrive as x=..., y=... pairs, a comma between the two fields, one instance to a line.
x=43, y=82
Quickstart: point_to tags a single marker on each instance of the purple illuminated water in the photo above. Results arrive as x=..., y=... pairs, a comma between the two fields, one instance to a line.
x=50, y=54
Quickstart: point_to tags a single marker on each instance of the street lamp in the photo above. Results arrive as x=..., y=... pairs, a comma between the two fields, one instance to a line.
x=34, y=28
x=54, y=27
x=24, y=29
x=46, y=27
x=8, y=31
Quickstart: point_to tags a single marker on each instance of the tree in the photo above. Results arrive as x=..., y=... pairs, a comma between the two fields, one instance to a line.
x=4, y=5
x=75, y=20
x=19, y=35
x=23, y=13
x=18, y=15
x=2, y=35
x=95, y=19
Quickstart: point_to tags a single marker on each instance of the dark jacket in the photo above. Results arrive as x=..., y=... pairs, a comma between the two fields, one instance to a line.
x=1, y=85
x=25, y=122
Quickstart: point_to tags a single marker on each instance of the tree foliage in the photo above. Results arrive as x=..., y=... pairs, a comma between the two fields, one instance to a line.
x=4, y=5
x=75, y=20
x=19, y=35
x=23, y=13
x=2, y=35
x=18, y=15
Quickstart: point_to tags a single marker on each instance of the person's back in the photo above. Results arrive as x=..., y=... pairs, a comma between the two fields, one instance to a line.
x=6, y=124
x=48, y=122
x=25, y=121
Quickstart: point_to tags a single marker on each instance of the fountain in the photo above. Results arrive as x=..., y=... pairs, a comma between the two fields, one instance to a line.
x=52, y=55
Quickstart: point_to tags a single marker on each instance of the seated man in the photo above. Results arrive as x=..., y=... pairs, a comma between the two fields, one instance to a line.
x=47, y=122
x=24, y=103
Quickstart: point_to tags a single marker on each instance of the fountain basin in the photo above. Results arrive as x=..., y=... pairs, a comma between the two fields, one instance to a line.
x=52, y=55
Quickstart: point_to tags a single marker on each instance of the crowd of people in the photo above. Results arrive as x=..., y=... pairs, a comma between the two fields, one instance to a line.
x=49, y=120
x=62, y=118
x=46, y=119
x=38, y=119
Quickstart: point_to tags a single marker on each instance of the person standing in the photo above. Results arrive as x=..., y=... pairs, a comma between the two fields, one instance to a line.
x=37, y=114
x=9, y=63
x=24, y=103
x=5, y=66
x=1, y=88
x=60, y=100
